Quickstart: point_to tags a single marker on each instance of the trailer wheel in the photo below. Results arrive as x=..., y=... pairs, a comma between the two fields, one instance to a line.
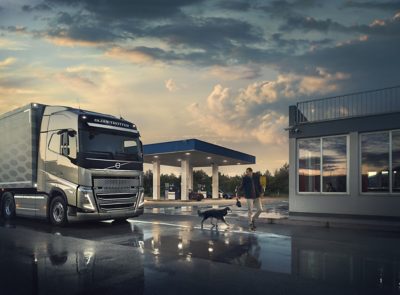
x=8, y=208
x=58, y=211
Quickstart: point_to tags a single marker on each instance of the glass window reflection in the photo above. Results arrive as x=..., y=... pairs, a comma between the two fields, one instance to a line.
x=396, y=161
x=334, y=159
x=309, y=165
x=375, y=162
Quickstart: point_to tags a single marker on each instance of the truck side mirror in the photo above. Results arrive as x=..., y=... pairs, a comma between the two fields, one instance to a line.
x=68, y=144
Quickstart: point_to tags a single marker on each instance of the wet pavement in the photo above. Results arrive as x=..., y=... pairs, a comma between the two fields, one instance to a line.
x=170, y=254
x=277, y=209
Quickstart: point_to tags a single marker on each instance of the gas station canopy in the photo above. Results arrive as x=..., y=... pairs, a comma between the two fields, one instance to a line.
x=199, y=153
x=187, y=154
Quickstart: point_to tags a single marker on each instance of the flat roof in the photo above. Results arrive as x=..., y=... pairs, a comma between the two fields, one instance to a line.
x=200, y=154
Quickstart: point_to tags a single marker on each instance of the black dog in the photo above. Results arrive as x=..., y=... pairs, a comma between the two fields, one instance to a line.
x=218, y=214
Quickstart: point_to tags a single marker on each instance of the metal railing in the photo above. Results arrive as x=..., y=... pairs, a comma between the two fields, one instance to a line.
x=374, y=102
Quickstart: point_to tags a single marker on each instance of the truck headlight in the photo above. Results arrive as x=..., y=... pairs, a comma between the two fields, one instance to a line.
x=85, y=199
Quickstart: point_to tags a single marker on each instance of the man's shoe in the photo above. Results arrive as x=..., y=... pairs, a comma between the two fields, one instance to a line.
x=252, y=227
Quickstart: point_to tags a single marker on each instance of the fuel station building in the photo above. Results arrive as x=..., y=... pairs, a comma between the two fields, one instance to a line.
x=345, y=157
x=189, y=154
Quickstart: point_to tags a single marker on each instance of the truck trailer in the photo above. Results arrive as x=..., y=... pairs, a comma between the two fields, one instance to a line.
x=66, y=164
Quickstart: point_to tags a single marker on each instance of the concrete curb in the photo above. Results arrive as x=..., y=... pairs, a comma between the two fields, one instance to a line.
x=343, y=224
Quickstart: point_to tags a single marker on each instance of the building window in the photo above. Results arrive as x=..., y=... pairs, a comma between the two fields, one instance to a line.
x=309, y=165
x=323, y=161
x=334, y=164
x=375, y=162
x=396, y=161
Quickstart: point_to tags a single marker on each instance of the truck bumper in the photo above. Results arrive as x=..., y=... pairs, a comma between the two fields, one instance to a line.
x=81, y=216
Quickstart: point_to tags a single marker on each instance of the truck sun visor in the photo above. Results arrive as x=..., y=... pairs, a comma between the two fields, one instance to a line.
x=109, y=124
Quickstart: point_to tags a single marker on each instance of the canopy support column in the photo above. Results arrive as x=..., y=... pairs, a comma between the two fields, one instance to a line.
x=185, y=172
x=215, y=181
x=156, y=180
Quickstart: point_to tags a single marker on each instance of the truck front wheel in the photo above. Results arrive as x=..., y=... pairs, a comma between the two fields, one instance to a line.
x=8, y=208
x=58, y=211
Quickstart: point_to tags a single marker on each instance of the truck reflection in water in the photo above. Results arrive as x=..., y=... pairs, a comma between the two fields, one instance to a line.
x=54, y=264
x=86, y=271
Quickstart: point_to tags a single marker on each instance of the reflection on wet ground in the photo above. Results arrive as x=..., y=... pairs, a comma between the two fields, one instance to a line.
x=224, y=246
x=172, y=254
x=40, y=263
x=278, y=209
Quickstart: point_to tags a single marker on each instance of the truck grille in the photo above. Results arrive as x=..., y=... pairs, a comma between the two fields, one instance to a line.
x=115, y=196
x=116, y=193
x=117, y=206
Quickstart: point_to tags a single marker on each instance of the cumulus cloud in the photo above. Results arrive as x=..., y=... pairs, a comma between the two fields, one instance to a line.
x=292, y=86
x=228, y=124
x=171, y=85
x=253, y=113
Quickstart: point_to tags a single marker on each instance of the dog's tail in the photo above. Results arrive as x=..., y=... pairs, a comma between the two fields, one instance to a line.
x=201, y=214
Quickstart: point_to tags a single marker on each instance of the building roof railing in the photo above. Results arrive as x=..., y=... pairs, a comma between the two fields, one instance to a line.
x=367, y=103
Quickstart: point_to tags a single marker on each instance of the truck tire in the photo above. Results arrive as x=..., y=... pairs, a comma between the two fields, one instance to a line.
x=8, y=206
x=58, y=211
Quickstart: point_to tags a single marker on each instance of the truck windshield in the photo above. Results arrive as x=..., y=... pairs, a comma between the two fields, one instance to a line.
x=109, y=145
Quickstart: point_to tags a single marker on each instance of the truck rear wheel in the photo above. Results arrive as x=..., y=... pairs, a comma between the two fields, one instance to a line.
x=8, y=208
x=58, y=211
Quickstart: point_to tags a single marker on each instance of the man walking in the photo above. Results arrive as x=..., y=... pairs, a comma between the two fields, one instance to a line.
x=252, y=189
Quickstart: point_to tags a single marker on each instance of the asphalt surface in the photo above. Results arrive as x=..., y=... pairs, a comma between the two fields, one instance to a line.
x=170, y=254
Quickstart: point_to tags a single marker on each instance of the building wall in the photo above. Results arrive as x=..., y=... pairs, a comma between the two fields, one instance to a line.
x=354, y=203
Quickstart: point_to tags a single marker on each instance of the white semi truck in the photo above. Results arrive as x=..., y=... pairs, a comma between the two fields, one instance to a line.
x=65, y=164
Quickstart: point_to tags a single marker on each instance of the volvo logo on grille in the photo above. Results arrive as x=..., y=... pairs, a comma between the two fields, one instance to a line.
x=118, y=165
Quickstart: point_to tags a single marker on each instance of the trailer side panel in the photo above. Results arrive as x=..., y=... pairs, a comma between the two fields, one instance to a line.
x=19, y=137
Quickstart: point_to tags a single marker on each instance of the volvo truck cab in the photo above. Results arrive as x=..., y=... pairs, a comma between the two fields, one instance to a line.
x=84, y=166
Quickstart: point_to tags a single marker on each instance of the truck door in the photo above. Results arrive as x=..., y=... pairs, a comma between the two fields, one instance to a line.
x=54, y=148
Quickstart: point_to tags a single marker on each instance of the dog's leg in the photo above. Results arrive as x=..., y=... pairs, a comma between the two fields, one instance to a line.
x=202, y=222
x=213, y=225
x=227, y=224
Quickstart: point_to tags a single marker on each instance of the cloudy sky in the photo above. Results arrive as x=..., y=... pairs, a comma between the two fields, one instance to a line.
x=223, y=71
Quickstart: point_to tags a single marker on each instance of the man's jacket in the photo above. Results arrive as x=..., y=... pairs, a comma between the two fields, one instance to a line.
x=251, y=186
